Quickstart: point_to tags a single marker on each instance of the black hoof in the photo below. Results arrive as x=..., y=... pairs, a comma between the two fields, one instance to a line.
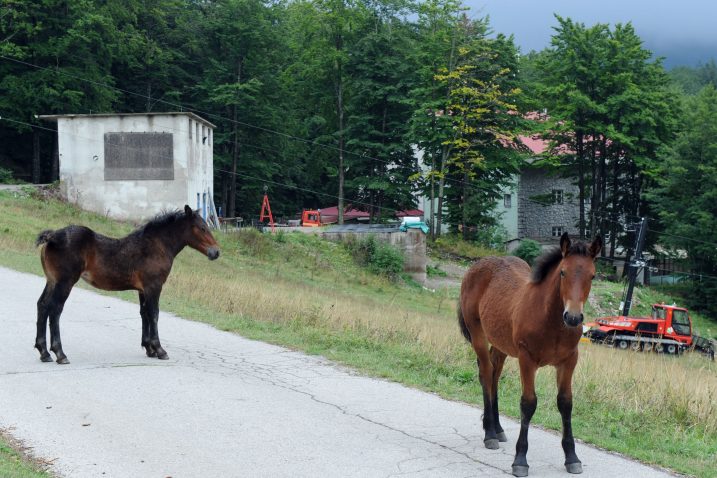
x=46, y=358
x=520, y=470
x=151, y=353
x=163, y=356
x=574, y=468
x=63, y=361
x=502, y=438
x=491, y=443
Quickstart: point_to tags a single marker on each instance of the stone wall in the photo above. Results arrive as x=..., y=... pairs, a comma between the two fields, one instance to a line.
x=537, y=221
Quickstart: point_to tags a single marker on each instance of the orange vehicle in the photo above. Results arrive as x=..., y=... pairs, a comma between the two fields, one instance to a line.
x=311, y=218
x=668, y=330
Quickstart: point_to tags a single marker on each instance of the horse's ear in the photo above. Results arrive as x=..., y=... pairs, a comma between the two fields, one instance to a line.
x=564, y=244
x=596, y=246
x=188, y=210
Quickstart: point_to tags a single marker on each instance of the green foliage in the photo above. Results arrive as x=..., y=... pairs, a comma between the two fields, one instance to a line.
x=685, y=195
x=455, y=246
x=6, y=176
x=528, y=250
x=379, y=257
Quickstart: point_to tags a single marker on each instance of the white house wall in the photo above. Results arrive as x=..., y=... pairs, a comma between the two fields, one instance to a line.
x=82, y=165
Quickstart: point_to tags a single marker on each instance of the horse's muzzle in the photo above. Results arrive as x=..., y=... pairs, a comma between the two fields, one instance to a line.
x=212, y=253
x=572, y=320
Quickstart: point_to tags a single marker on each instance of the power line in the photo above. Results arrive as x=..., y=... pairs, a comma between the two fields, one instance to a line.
x=249, y=125
x=286, y=185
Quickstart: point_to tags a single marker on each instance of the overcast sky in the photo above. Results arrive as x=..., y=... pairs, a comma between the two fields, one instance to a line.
x=683, y=31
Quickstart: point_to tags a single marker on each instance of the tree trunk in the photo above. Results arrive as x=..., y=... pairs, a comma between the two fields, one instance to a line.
x=613, y=215
x=432, y=214
x=441, y=185
x=595, y=201
x=35, y=156
x=581, y=183
x=338, y=44
x=464, y=216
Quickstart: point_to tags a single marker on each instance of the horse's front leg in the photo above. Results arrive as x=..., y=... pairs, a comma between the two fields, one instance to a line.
x=565, y=406
x=152, y=311
x=528, y=403
x=145, y=326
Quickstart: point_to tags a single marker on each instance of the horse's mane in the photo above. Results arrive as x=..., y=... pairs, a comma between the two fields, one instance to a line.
x=161, y=220
x=549, y=260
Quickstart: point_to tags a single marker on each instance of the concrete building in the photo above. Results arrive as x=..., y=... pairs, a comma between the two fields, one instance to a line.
x=540, y=204
x=135, y=165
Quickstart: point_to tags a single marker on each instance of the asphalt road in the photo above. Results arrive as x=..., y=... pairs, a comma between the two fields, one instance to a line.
x=225, y=406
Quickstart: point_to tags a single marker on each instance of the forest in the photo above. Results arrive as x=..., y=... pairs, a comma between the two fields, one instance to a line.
x=370, y=102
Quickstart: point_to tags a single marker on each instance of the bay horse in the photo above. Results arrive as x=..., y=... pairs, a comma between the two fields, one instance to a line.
x=536, y=317
x=140, y=261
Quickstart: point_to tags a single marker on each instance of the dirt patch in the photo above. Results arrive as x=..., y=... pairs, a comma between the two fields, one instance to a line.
x=453, y=278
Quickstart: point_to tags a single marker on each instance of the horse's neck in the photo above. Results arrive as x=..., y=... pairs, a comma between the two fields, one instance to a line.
x=550, y=293
x=170, y=238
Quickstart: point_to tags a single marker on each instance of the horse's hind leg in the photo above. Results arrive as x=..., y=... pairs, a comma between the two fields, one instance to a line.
x=498, y=359
x=42, y=313
x=57, y=302
x=485, y=374
x=565, y=406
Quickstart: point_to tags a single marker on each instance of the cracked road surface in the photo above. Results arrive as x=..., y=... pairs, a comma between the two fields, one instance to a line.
x=225, y=406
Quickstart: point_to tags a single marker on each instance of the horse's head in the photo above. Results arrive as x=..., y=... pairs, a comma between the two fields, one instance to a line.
x=198, y=235
x=577, y=270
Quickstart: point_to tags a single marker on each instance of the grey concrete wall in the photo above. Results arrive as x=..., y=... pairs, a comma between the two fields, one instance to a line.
x=412, y=243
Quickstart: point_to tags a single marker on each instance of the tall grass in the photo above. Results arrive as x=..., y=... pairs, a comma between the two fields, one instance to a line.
x=310, y=294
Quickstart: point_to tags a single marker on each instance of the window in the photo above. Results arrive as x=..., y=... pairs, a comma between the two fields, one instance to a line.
x=507, y=200
x=138, y=156
x=190, y=129
x=681, y=322
x=198, y=139
x=557, y=196
x=658, y=313
x=558, y=231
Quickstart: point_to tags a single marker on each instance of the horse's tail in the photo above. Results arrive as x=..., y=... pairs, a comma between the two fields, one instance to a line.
x=45, y=237
x=462, y=322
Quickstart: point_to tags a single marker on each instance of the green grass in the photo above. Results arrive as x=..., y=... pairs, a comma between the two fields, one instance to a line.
x=14, y=465
x=309, y=294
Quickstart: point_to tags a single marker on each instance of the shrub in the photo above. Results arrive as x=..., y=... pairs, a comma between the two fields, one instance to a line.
x=528, y=250
x=378, y=257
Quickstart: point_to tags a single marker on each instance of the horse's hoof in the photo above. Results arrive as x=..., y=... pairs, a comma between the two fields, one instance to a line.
x=46, y=358
x=574, y=468
x=520, y=470
x=151, y=353
x=63, y=361
x=163, y=356
x=502, y=438
x=491, y=443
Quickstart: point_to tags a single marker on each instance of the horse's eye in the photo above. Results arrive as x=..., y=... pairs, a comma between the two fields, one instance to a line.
x=562, y=273
x=593, y=277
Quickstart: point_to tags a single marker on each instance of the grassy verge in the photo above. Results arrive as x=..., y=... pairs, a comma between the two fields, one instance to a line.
x=14, y=465
x=301, y=292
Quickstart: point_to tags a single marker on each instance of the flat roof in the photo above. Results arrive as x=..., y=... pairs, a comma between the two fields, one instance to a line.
x=189, y=114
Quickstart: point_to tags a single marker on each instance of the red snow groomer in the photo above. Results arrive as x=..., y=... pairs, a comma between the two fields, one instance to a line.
x=668, y=330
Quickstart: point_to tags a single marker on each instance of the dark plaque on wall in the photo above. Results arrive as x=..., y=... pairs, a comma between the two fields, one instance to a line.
x=138, y=156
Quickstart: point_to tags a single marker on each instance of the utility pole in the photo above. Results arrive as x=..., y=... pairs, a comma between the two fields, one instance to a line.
x=635, y=264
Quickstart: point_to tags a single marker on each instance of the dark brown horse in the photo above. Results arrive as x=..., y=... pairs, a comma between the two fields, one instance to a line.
x=141, y=261
x=536, y=318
